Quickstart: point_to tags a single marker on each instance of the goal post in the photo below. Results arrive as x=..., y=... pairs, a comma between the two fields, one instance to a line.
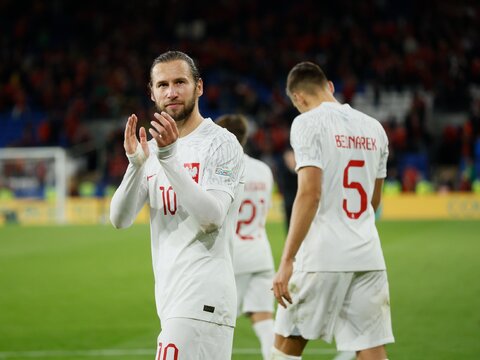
x=29, y=172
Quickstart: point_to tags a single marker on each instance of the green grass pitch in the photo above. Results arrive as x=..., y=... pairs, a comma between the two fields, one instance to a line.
x=86, y=292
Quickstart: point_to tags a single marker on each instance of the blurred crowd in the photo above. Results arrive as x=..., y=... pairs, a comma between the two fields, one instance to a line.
x=65, y=66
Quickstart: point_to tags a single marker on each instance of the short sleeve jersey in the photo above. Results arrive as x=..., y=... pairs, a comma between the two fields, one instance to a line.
x=193, y=270
x=251, y=248
x=351, y=148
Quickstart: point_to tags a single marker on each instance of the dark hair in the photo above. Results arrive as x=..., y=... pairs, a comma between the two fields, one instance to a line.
x=237, y=124
x=307, y=76
x=176, y=55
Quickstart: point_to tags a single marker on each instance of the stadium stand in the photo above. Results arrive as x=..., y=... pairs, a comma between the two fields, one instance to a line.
x=70, y=73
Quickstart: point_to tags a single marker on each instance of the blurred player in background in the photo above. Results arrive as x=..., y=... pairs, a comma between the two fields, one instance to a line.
x=332, y=282
x=190, y=176
x=252, y=255
x=286, y=171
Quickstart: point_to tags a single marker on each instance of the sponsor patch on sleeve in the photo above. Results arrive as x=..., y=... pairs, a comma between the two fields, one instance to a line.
x=223, y=172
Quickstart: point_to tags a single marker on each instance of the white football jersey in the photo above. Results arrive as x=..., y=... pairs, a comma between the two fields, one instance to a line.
x=352, y=150
x=251, y=248
x=193, y=270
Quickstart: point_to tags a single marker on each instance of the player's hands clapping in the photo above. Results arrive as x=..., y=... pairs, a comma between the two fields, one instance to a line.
x=280, y=283
x=130, y=142
x=164, y=129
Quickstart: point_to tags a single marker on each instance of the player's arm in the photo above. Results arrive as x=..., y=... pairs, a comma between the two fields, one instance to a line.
x=269, y=194
x=382, y=171
x=208, y=207
x=377, y=194
x=303, y=212
x=129, y=198
x=131, y=195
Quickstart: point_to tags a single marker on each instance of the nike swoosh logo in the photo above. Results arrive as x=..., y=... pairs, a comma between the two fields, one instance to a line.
x=150, y=176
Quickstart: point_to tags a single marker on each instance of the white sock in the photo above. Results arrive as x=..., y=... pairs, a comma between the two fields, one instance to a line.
x=264, y=331
x=278, y=355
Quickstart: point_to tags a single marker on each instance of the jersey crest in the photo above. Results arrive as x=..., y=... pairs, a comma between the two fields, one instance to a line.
x=193, y=170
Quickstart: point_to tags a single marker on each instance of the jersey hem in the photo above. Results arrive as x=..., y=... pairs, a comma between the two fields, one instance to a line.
x=341, y=270
x=253, y=271
x=199, y=319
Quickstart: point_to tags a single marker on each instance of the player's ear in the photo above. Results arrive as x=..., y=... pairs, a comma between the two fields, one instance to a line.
x=298, y=100
x=295, y=98
x=331, y=87
x=200, y=87
x=150, y=89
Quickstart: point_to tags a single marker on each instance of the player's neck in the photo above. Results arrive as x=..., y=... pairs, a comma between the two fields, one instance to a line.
x=187, y=126
x=319, y=99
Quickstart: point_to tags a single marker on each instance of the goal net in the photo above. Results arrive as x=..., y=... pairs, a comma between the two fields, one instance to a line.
x=33, y=185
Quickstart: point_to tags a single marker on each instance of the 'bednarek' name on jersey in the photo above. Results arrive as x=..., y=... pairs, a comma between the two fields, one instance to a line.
x=193, y=270
x=251, y=248
x=351, y=148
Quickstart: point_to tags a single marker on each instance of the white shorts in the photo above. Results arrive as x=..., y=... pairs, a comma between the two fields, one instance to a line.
x=354, y=308
x=190, y=339
x=254, y=292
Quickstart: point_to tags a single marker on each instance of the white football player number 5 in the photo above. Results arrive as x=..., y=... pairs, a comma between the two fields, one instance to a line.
x=355, y=186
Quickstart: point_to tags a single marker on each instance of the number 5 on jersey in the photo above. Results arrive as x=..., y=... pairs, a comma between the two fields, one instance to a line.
x=355, y=186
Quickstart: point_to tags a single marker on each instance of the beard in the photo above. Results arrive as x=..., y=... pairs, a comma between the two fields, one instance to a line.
x=183, y=114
